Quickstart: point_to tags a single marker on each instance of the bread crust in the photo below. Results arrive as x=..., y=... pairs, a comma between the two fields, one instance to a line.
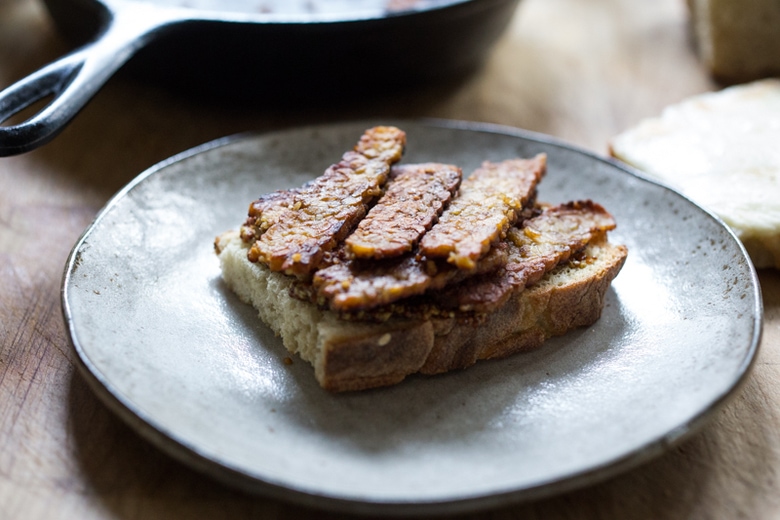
x=383, y=355
x=350, y=356
x=566, y=298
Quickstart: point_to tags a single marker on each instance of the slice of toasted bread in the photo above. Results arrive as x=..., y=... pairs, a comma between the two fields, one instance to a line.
x=350, y=355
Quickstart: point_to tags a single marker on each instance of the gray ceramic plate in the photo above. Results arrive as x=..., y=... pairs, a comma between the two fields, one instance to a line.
x=183, y=361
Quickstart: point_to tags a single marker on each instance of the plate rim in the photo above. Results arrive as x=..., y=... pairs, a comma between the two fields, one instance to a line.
x=194, y=458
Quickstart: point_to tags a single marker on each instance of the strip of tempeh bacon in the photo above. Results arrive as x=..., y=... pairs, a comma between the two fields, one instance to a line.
x=490, y=201
x=356, y=285
x=415, y=197
x=536, y=248
x=264, y=211
x=294, y=230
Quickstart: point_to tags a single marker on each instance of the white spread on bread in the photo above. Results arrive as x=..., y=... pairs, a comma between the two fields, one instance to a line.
x=722, y=150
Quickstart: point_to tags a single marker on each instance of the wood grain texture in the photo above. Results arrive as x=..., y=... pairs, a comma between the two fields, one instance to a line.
x=582, y=71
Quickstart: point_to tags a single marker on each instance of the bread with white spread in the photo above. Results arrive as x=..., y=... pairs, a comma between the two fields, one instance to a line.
x=721, y=149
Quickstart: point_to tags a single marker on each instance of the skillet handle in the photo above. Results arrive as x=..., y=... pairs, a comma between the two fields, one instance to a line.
x=72, y=81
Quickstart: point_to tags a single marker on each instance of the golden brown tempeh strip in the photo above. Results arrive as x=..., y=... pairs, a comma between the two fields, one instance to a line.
x=293, y=232
x=356, y=285
x=489, y=202
x=415, y=197
x=535, y=248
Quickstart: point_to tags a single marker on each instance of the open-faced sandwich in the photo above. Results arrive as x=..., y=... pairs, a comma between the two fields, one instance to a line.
x=376, y=270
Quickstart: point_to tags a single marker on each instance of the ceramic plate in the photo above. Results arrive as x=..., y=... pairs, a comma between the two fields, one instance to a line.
x=176, y=355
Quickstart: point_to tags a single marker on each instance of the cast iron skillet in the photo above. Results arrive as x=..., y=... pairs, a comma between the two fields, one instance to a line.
x=259, y=50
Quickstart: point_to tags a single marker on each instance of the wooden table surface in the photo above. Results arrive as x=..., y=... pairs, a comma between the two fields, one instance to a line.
x=579, y=70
